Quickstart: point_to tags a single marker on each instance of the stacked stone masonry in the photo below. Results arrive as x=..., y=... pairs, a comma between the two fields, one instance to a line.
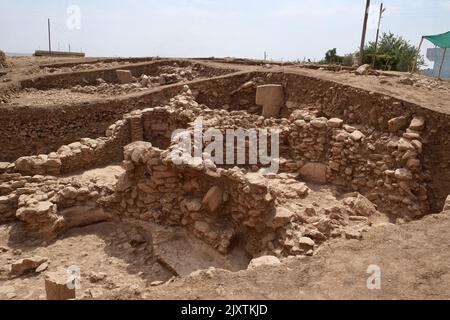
x=384, y=166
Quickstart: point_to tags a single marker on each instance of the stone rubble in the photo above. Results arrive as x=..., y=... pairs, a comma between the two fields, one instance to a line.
x=128, y=84
x=25, y=265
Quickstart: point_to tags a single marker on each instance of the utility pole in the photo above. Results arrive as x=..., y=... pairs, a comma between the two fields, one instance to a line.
x=363, y=37
x=382, y=10
x=442, y=63
x=49, y=39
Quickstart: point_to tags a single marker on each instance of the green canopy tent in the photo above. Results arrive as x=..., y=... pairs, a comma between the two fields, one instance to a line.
x=439, y=40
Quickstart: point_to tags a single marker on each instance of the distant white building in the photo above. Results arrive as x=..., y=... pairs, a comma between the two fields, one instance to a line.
x=436, y=55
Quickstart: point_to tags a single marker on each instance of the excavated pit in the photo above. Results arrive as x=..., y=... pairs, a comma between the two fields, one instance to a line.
x=349, y=159
x=77, y=87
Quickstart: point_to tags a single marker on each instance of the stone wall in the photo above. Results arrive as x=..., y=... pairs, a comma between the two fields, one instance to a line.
x=48, y=206
x=374, y=111
x=215, y=204
x=84, y=78
x=159, y=123
x=28, y=131
x=386, y=167
x=84, y=154
x=355, y=106
x=151, y=124
x=96, y=61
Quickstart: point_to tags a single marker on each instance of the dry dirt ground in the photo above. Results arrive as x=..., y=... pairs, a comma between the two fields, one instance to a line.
x=427, y=92
x=414, y=261
x=120, y=260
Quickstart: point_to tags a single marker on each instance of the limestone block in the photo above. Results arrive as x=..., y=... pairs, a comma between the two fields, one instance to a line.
x=271, y=97
x=24, y=265
x=213, y=199
x=264, y=261
x=357, y=135
x=315, y=172
x=417, y=124
x=403, y=174
x=363, y=70
x=124, y=76
x=335, y=122
x=363, y=207
x=282, y=217
x=319, y=123
x=56, y=286
x=83, y=216
x=398, y=123
x=306, y=243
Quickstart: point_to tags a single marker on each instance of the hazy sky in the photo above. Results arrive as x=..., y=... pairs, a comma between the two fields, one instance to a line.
x=286, y=29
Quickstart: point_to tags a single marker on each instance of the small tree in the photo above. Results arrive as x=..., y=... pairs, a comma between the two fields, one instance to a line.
x=348, y=59
x=331, y=57
x=3, y=63
x=393, y=53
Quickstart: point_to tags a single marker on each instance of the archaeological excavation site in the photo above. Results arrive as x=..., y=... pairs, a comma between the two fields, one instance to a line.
x=93, y=186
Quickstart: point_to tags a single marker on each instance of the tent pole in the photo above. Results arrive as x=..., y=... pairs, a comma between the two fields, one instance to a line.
x=442, y=63
x=417, y=56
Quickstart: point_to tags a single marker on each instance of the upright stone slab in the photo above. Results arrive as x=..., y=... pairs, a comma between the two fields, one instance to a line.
x=271, y=98
x=314, y=172
x=124, y=76
x=136, y=126
x=56, y=286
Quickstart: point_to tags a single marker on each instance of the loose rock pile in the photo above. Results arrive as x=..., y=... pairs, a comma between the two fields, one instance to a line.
x=78, y=67
x=129, y=84
x=425, y=82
